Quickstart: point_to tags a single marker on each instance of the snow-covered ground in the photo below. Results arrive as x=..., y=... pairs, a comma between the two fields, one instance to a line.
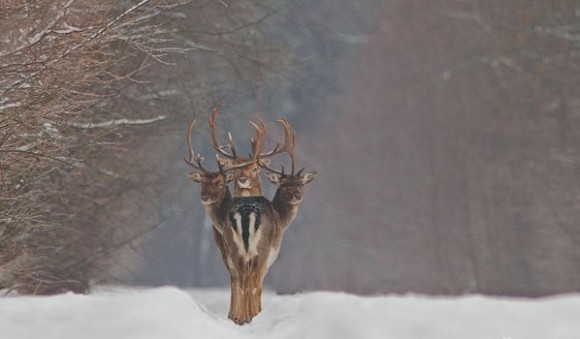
x=170, y=313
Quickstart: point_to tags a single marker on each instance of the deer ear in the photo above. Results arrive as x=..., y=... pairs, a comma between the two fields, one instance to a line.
x=273, y=177
x=308, y=177
x=224, y=162
x=195, y=176
x=229, y=176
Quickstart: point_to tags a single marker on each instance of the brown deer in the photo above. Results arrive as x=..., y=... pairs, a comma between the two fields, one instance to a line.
x=248, y=230
x=235, y=239
x=215, y=194
x=290, y=191
x=253, y=234
x=247, y=181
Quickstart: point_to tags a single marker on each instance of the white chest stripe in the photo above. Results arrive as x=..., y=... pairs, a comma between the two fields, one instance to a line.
x=254, y=236
x=238, y=233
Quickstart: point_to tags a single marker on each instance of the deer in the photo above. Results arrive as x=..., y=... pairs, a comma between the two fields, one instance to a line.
x=236, y=240
x=248, y=230
x=245, y=170
x=254, y=230
x=290, y=190
x=215, y=194
x=247, y=181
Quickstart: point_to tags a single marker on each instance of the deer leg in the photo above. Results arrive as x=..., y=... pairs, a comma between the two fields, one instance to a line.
x=255, y=281
x=234, y=311
x=240, y=304
x=256, y=294
x=246, y=294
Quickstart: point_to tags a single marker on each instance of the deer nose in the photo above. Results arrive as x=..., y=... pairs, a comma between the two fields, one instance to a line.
x=205, y=196
x=243, y=180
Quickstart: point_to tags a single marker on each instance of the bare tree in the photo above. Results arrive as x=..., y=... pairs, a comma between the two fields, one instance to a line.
x=61, y=62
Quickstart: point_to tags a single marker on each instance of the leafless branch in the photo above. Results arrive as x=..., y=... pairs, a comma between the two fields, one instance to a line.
x=117, y=122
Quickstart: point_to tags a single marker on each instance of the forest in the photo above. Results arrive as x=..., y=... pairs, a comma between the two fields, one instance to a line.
x=445, y=134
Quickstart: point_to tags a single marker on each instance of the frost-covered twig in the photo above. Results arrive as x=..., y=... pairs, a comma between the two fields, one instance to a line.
x=119, y=17
x=117, y=122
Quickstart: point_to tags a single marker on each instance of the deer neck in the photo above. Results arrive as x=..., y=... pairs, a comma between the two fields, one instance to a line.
x=217, y=210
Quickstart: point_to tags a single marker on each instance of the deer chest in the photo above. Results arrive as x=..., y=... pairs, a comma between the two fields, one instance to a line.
x=246, y=219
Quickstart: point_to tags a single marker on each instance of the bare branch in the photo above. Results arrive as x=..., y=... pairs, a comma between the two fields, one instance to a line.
x=117, y=122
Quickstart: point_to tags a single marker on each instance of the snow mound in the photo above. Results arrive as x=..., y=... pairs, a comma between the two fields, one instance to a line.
x=170, y=313
x=157, y=313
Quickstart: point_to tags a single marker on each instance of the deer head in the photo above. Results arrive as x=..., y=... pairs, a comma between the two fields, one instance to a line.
x=290, y=186
x=213, y=184
x=247, y=170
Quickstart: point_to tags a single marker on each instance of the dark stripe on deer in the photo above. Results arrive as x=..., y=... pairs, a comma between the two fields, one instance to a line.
x=246, y=217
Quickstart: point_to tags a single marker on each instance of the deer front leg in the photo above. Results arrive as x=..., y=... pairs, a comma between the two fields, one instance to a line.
x=241, y=302
x=246, y=293
x=236, y=312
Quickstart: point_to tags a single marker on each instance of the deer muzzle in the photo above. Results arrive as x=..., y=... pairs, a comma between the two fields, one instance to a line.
x=244, y=182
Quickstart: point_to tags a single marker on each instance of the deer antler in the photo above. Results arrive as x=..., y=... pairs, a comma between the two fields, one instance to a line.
x=289, y=143
x=194, y=160
x=215, y=143
x=258, y=142
x=288, y=146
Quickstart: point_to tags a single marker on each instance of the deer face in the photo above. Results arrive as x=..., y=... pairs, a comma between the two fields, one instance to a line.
x=247, y=178
x=214, y=185
x=291, y=185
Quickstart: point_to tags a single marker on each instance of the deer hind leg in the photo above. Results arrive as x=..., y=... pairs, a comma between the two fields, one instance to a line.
x=246, y=294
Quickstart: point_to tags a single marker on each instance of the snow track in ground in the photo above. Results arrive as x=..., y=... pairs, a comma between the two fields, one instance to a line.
x=170, y=313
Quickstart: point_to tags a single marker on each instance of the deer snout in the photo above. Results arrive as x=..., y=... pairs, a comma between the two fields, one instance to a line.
x=297, y=197
x=206, y=198
x=244, y=182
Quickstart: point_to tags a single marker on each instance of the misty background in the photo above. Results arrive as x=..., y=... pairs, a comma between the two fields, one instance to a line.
x=445, y=133
x=446, y=139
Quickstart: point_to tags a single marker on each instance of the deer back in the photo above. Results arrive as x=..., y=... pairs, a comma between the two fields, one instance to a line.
x=253, y=231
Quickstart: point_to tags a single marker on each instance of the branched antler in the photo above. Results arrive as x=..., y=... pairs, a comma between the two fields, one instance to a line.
x=288, y=147
x=193, y=160
x=214, y=142
x=257, y=143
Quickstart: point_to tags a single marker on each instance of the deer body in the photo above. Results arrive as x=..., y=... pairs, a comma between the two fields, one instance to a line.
x=245, y=230
x=251, y=235
x=248, y=228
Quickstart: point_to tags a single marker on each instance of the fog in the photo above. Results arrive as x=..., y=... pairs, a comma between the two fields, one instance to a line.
x=446, y=139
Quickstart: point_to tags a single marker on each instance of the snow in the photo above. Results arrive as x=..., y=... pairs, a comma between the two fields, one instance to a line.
x=173, y=313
